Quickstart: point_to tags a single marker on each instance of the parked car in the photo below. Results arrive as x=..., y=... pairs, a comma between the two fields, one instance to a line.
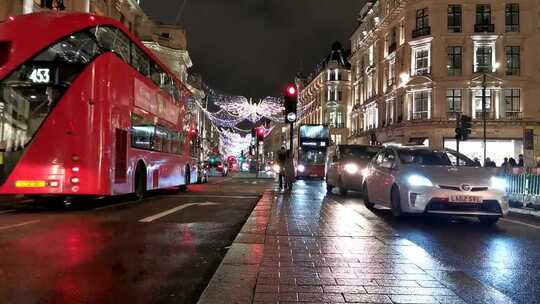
x=422, y=180
x=202, y=172
x=346, y=164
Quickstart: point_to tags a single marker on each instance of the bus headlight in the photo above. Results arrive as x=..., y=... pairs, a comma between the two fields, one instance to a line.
x=301, y=168
x=351, y=168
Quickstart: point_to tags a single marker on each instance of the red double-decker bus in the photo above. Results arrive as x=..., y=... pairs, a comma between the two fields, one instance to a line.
x=87, y=109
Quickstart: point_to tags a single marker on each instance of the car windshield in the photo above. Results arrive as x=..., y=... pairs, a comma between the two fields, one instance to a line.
x=433, y=158
x=359, y=152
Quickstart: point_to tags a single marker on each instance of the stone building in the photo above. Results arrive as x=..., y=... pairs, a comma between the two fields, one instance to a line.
x=419, y=64
x=323, y=97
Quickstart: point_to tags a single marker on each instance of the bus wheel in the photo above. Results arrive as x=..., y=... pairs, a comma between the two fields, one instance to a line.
x=140, y=182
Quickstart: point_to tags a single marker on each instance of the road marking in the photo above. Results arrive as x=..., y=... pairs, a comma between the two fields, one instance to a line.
x=6, y=211
x=114, y=205
x=173, y=210
x=520, y=223
x=215, y=196
x=18, y=225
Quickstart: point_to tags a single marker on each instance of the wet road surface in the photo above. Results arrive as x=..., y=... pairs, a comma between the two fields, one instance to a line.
x=161, y=250
x=502, y=259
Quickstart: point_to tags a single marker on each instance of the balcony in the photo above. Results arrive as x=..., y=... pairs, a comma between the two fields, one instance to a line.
x=423, y=31
x=420, y=116
x=484, y=28
x=392, y=47
x=489, y=115
x=514, y=115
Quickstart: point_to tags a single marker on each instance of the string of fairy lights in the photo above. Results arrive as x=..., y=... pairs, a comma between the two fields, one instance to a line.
x=234, y=110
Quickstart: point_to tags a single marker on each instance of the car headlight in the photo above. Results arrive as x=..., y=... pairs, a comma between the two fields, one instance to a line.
x=276, y=168
x=350, y=168
x=301, y=168
x=419, y=180
x=365, y=172
x=498, y=183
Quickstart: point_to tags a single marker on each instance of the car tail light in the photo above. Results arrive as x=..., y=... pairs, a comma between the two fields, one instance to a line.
x=75, y=180
x=75, y=169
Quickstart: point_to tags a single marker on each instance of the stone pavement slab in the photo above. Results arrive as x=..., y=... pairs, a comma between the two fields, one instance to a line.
x=309, y=249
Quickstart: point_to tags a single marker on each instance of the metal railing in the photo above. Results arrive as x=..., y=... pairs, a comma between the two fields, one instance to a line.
x=484, y=28
x=523, y=186
x=514, y=115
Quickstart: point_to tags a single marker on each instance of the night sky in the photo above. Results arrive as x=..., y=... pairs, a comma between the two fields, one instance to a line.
x=254, y=47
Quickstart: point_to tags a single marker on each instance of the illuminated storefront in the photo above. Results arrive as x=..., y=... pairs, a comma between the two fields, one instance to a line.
x=497, y=149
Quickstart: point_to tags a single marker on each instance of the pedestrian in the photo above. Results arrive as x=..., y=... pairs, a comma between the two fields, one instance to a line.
x=521, y=161
x=58, y=5
x=289, y=170
x=506, y=167
x=488, y=163
x=512, y=162
x=477, y=162
x=281, y=159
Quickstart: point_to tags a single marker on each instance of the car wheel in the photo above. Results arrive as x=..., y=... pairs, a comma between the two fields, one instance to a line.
x=365, y=195
x=329, y=187
x=488, y=220
x=396, y=202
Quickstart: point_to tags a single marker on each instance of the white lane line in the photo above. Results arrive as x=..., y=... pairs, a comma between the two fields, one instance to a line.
x=114, y=205
x=173, y=210
x=216, y=196
x=6, y=211
x=520, y=223
x=18, y=225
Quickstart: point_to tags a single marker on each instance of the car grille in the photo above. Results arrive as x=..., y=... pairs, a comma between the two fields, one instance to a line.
x=443, y=205
x=473, y=189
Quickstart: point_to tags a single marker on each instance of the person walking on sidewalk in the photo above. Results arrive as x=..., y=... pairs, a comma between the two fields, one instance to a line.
x=281, y=158
x=289, y=170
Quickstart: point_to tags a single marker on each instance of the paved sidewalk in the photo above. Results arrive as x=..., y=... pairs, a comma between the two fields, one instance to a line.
x=303, y=247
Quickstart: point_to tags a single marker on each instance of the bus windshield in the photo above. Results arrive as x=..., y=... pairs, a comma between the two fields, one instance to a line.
x=29, y=94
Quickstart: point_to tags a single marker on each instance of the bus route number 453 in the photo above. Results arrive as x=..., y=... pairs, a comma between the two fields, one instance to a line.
x=40, y=76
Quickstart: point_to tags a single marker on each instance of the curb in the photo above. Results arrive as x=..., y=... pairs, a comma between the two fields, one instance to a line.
x=528, y=212
x=238, y=270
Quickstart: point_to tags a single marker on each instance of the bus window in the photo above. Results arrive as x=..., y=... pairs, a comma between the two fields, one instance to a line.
x=176, y=93
x=113, y=39
x=142, y=132
x=140, y=61
x=155, y=73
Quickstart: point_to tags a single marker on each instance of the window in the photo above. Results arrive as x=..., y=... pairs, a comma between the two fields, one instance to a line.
x=422, y=18
x=454, y=18
x=512, y=17
x=114, y=40
x=142, y=132
x=455, y=60
x=140, y=61
x=339, y=96
x=421, y=58
x=402, y=32
x=483, y=14
x=391, y=72
x=512, y=60
x=484, y=58
x=157, y=74
x=513, y=103
x=453, y=100
x=421, y=105
x=478, y=103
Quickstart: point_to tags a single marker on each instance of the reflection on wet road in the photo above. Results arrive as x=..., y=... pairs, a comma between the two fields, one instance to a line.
x=504, y=258
x=104, y=254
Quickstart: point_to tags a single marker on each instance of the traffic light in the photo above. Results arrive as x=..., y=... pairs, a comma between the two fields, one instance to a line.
x=463, y=128
x=260, y=134
x=290, y=102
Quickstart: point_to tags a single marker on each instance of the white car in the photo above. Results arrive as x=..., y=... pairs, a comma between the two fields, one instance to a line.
x=422, y=180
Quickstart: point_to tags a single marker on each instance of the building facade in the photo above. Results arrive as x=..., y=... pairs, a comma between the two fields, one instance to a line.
x=419, y=64
x=324, y=97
